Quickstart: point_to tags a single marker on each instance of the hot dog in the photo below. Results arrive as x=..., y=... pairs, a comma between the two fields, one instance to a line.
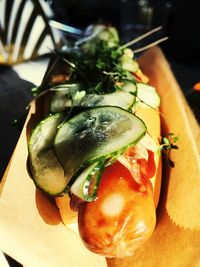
x=104, y=170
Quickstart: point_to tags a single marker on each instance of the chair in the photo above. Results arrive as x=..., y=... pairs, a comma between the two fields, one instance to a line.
x=25, y=32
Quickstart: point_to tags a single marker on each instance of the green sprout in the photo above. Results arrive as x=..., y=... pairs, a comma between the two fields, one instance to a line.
x=167, y=144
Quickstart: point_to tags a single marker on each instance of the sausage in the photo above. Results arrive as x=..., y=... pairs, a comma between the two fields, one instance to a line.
x=121, y=218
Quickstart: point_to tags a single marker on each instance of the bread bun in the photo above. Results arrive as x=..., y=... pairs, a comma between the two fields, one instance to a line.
x=68, y=216
x=151, y=118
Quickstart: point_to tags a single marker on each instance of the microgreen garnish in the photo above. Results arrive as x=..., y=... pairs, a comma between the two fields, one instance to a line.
x=99, y=72
x=167, y=144
x=150, y=45
x=35, y=91
x=141, y=37
x=98, y=62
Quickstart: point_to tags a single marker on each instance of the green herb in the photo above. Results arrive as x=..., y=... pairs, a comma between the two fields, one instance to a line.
x=35, y=91
x=99, y=72
x=167, y=144
x=96, y=61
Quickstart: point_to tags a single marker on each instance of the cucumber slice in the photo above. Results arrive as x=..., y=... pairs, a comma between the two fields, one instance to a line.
x=96, y=134
x=61, y=100
x=129, y=87
x=120, y=99
x=128, y=63
x=86, y=184
x=46, y=171
x=147, y=96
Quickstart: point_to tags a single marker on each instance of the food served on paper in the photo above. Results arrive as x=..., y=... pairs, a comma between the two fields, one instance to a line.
x=96, y=152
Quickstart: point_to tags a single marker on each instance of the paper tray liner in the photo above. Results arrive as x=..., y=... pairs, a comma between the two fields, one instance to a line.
x=30, y=227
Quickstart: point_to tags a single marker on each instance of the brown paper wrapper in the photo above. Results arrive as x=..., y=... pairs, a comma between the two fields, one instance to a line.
x=30, y=227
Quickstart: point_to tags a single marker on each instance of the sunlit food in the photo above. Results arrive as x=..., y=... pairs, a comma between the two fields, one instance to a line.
x=97, y=152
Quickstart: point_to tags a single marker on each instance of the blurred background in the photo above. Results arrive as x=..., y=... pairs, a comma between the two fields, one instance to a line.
x=179, y=20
